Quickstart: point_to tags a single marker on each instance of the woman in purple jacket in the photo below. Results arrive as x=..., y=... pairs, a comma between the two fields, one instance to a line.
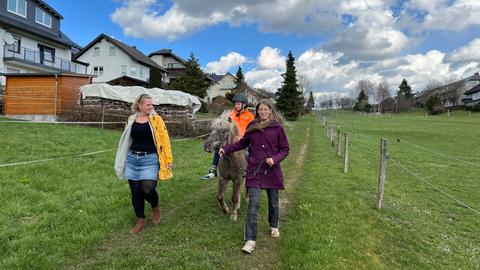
x=268, y=147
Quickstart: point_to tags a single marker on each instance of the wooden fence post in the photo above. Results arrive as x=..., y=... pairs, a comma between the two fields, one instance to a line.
x=103, y=111
x=332, y=136
x=383, y=172
x=326, y=130
x=345, y=155
x=339, y=142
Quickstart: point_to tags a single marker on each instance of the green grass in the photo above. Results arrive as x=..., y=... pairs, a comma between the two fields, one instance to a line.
x=74, y=214
x=336, y=224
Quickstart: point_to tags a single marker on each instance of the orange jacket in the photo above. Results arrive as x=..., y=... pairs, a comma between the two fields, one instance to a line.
x=242, y=120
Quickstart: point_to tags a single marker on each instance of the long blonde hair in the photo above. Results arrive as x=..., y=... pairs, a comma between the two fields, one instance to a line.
x=275, y=116
x=139, y=100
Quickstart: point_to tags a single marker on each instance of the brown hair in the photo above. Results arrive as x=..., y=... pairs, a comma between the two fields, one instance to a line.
x=274, y=117
x=139, y=100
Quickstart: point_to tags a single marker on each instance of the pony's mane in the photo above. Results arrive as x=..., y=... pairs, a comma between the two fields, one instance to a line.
x=223, y=122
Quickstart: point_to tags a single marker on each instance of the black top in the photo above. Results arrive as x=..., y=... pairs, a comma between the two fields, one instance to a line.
x=142, y=138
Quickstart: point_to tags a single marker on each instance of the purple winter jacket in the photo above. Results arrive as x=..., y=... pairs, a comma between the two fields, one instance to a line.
x=271, y=142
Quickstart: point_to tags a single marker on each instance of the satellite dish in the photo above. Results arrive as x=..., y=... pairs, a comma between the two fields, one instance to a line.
x=8, y=38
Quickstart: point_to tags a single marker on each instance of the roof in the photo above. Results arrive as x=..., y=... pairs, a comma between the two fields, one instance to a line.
x=219, y=77
x=135, y=54
x=475, y=89
x=168, y=52
x=135, y=81
x=34, y=29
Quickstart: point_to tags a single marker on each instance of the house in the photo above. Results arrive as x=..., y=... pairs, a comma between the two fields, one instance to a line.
x=388, y=105
x=174, y=64
x=451, y=94
x=225, y=84
x=472, y=96
x=110, y=59
x=254, y=95
x=32, y=40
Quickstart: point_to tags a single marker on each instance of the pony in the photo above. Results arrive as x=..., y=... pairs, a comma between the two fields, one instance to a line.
x=232, y=166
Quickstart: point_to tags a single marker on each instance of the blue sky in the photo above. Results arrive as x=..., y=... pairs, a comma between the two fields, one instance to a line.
x=336, y=43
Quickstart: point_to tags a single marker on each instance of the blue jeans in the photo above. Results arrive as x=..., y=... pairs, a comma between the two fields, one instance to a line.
x=252, y=212
x=216, y=157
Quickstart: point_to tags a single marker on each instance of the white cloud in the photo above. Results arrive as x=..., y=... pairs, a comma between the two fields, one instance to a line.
x=268, y=79
x=469, y=52
x=270, y=58
x=231, y=60
x=454, y=15
x=146, y=19
x=138, y=18
x=372, y=37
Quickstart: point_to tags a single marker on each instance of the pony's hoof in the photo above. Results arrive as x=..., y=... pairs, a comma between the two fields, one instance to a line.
x=233, y=217
x=226, y=210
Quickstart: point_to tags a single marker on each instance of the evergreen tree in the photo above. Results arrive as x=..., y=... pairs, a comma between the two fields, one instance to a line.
x=193, y=81
x=404, y=96
x=290, y=100
x=155, y=78
x=240, y=78
x=405, y=90
x=310, y=103
x=362, y=101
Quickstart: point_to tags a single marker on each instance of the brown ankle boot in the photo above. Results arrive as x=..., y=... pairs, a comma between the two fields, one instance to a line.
x=156, y=214
x=139, y=226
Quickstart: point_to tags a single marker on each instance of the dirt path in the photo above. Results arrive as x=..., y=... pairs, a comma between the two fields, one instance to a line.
x=267, y=252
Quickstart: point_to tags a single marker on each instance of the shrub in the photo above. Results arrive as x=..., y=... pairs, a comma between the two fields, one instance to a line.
x=476, y=108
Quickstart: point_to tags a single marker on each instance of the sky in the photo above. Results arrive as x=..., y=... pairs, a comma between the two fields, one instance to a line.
x=335, y=43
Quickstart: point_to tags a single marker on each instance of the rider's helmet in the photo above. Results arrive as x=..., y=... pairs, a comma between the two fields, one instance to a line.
x=240, y=97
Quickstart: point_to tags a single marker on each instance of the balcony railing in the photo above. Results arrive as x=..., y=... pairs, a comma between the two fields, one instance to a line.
x=44, y=59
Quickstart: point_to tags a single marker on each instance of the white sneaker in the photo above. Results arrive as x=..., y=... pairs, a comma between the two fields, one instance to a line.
x=275, y=233
x=249, y=246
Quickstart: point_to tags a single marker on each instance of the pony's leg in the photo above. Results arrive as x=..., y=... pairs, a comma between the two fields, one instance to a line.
x=237, y=187
x=222, y=186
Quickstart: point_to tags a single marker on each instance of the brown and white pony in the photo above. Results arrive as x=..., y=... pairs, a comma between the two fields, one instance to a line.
x=231, y=166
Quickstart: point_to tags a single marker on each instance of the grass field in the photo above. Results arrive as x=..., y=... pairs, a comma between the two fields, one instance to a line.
x=73, y=213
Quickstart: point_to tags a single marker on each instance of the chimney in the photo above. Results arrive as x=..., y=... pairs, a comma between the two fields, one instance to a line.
x=135, y=47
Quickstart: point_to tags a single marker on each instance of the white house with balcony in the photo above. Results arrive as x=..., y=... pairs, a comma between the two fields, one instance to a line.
x=32, y=42
x=110, y=59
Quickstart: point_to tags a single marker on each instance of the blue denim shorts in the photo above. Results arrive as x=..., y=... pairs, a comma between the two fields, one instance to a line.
x=142, y=167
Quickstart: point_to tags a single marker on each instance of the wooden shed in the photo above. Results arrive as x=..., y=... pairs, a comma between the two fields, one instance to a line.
x=41, y=94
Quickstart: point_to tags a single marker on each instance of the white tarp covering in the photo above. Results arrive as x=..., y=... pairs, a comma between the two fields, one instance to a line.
x=130, y=93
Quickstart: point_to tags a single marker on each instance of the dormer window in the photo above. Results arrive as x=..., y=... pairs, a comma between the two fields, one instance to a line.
x=18, y=7
x=43, y=18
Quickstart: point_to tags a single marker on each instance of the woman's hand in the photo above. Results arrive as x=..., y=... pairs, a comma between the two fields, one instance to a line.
x=170, y=166
x=270, y=161
x=221, y=152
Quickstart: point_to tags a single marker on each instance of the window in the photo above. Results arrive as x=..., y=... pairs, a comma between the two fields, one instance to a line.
x=43, y=18
x=96, y=51
x=133, y=70
x=124, y=69
x=18, y=7
x=140, y=72
x=111, y=52
x=47, y=54
x=98, y=71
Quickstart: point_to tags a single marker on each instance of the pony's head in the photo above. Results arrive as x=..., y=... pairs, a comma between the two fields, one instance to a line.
x=223, y=132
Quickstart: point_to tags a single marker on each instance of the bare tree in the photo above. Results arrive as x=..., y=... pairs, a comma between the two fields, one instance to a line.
x=383, y=92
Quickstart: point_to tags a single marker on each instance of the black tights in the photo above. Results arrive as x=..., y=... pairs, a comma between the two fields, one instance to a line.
x=143, y=190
